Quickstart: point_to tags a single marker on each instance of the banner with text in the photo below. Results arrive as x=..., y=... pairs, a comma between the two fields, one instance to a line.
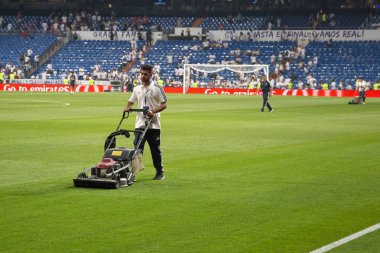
x=53, y=88
x=316, y=35
x=206, y=91
x=120, y=35
x=194, y=31
x=280, y=92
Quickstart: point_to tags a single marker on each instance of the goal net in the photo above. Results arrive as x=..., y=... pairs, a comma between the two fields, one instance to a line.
x=220, y=75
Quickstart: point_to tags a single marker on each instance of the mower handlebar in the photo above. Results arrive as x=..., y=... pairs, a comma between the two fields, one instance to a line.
x=133, y=110
x=138, y=110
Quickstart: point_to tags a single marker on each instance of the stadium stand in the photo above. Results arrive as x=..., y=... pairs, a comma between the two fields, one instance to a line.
x=29, y=23
x=13, y=46
x=335, y=62
x=87, y=54
x=333, y=21
x=35, y=23
x=180, y=50
x=346, y=60
x=338, y=62
x=233, y=23
x=22, y=51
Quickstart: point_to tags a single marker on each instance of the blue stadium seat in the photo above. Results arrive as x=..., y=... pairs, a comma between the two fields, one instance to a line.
x=11, y=46
x=87, y=54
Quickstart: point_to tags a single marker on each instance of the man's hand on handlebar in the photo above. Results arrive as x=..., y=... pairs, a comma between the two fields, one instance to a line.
x=149, y=114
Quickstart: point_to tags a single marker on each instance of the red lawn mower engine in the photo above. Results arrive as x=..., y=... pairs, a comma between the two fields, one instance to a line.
x=113, y=160
x=105, y=167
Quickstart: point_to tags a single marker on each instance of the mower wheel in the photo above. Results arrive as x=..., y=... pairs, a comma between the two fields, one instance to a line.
x=117, y=182
x=82, y=175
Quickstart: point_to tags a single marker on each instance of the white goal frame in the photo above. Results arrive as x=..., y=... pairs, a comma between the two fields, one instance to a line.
x=214, y=68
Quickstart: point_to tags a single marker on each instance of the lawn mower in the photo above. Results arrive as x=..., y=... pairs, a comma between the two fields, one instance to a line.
x=356, y=100
x=115, y=169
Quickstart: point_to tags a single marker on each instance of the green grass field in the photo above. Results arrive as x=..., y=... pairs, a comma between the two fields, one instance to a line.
x=237, y=180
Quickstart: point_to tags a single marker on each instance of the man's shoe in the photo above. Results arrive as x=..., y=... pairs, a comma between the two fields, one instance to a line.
x=271, y=110
x=261, y=110
x=159, y=176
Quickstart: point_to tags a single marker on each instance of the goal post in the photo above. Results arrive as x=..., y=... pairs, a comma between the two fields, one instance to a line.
x=192, y=72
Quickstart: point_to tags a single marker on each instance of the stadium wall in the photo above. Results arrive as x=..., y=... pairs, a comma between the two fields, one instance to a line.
x=206, y=91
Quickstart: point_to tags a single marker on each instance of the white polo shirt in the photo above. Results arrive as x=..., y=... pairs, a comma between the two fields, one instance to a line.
x=152, y=96
x=361, y=85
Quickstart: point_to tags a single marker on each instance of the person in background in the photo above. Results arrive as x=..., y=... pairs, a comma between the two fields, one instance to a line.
x=91, y=81
x=72, y=80
x=376, y=85
x=267, y=89
x=1, y=76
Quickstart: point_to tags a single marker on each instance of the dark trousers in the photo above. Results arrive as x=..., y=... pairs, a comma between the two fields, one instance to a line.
x=362, y=95
x=265, y=101
x=154, y=141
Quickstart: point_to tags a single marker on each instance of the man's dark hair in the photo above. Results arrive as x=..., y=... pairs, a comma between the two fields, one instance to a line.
x=147, y=67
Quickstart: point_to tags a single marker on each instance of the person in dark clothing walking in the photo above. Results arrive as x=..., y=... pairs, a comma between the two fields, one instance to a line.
x=72, y=78
x=267, y=89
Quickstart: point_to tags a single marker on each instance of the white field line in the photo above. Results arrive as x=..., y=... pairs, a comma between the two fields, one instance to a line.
x=347, y=239
x=46, y=103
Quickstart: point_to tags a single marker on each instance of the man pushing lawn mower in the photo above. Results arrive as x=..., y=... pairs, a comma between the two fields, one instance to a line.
x=152, y=99
x=120, y=165
x=361, y=87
